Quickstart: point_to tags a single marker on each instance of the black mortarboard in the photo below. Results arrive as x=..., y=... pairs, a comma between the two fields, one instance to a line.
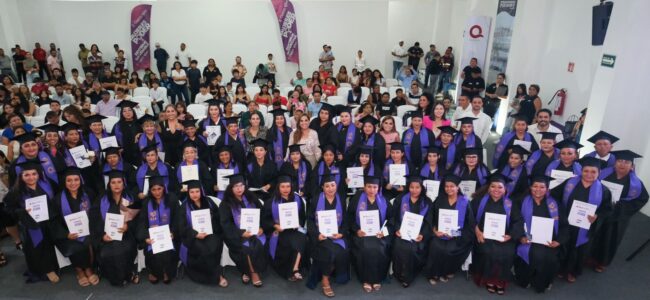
x=342, y=108
x=223, y=148
x=111, y=150
x=188, y=143
x=541, y=178
x=232, y=120
x=416, y=114
x=626, y=155
x=114, y=174
x=70, y=171
x=236, y=178
x=466, y=120
x=294, y=148
x=447, y=129
x=327, y=147
x=568, y=144
x=396, y=146
x=434, y=149
x=157, y=180
x=146, y=118
x=519, y=150
x=365, y=149
x=127, y=103
x=278, y=112
x=54, y=100
x=213, y=102
x=189, y=123
x=95, y=119
x=548, y=135
x=327, y=178
x=30, y=164
x=369, y=119
x=602, y=135
x=50, y=128
x=25, y=137
x=589, y=161
x=70, y=126
x=285, y=178
x=498, y=177
x=473, y=151
x=415, y=177
x=192, y=184
x=519, y=117
x=259, y=143
x=452, y=178
x=369, y=179
x=328, y=107
x=149, y=148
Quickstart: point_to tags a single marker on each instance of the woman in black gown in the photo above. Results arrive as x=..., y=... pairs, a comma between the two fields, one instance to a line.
x=154, y=166
x=327, y=165
x=126, y=130
x=171, y=134
x=298, y=167
x=278, y=135
x=261, y=171
x=397, y=157
x=516, y=171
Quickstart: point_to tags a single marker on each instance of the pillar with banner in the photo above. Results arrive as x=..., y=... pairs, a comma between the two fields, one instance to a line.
x=475, y=43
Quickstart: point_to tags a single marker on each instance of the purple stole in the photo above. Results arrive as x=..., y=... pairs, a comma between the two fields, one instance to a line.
x=184, y=163
x=278, y=147
x=143, y=141
x=117, y=132
x=507, y=206
x=83, y=206
x=120, y=166
x=635, y=184
x=302, y=175
x=371, y=168
x=236, y=215
x=334, y=170
x=527, y=212
x=223, y=167
x=36, y=235
x=208, y=122
x=273, y=241
x=240, y=137
x=320, y=206
x=142, y=173
x=183, y=251
x=469, y=143
x=370, y=141
x=503, y=144
x=408, y=139
x=480, y=171
x=93, y=143
x=196, y=137
x=405, y=206
x=577, y=169
x=451, y=153
x=46, y=163
x=513, y=174
x=105, y=204
x=461, y=207
x=363, y=206
x=533, y=158
x=350, y=135
x=610, y=161
x=389, y=162
x=157, y=217
x=426, y=171
x=595, y=198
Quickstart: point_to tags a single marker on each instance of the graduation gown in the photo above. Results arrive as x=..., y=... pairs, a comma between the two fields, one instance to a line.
x=461, y=143
x=152, y=215
x=202, y=148
x=171, y=143
x=446, y=255
x=300, y=179
x=219, y=166
x=79, y=251
x=416, y=144
x=327, y=135
x=50, y=168
x=633, y=197
x=258, y=176
x=501, y=153
x=129, y=172
x=409, y=256
x=125, y=133
x=201, y=258
x=58, y=160
x=447, y=157
x=379, y=145
x=316, y=177
x=371, y=255
x=393, y=191
x=479, y=174
x=285, y=246
x=237, y=144
x=207, y=181
x=517, y=188
x=538, y=161
x=161, y=169
x=279, y=142
x=558, y=191
x=239, y=248
x=92, y=175
x=349, y=139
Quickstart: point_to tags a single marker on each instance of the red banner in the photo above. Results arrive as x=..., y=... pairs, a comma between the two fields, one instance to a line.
x=140, y=27
x=288, y=28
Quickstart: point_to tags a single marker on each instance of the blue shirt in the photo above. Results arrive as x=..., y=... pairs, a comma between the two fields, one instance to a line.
x=9, y=133
x=406, y=80
x=313, y=108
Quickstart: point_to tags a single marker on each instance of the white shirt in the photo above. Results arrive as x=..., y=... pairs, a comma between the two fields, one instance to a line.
x=179, y=74
x=72, y=82
x=482, y=125
x=157, y=94
x=200, y=98
x=459, y=113
x=605, y=158
x=538, y=137
x=184, y=56
x=399, y=50
x=359, y=62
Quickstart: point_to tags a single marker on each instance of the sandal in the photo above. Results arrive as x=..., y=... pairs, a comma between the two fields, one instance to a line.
x=82, y=280
x=570, y=278
x=3, y=260
x=153, y=279
x=93, y=279
x=245, y=279
x=432, y=281
x=328, y=292
x=296, y=276
x=367, y=287
x=223, y=282
x=450, y=276
x=166, y=279
x=376, y=286
x=19, y=246
x=444, y=279
x=500, y=291
x=599, y=269
x=257, y=283
x=52, y=277
x=490, y=288
x=135, y=278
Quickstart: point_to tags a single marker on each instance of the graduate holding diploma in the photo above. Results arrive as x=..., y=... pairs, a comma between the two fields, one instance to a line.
x=191, y=168
x=261, y=171
x=154, y=166
x=396, y=169
x=298, y=168
x=223, y=165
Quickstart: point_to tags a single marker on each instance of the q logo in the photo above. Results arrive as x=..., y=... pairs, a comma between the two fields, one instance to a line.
x=476, y=31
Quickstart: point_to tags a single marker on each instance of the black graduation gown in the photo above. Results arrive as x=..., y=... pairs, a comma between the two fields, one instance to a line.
x=573, y=257
x=130, y=174
x=352, y=152
x=418, y=154
x=203, y=263
x=446, y=256
x=241, y=249
x=202, y=149
x=379, y=152
x=521, y=185
x=544, y=261
x=238, y=150
x=164, y=262
x=92, y=175
x=173, y=186
x=409, y=256
x=59, y=163
x=503, y=159
x=327, y=135
x=461, y=145
x=393, y=192
x=259, y=176
x=128, y=132
x=40, y=258
x=558, y=191
x=207, y=181
x=271, y=136
x=540, y=166
x=171, y=143
x=287, y=168
x=493, y=260
x=371, y=255
x=78, y=251
x=291, y=242
x=315, y=180
x=614, y=226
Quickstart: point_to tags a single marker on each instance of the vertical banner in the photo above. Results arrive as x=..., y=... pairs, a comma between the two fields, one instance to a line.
x=501, y=40
x=140, y=27
x=288, y=29
x=475, y=42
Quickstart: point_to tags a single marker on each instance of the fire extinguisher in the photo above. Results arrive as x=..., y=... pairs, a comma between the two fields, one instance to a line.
x=561, y=100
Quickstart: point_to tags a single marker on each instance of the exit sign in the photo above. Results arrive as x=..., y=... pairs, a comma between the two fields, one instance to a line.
x=608, y=60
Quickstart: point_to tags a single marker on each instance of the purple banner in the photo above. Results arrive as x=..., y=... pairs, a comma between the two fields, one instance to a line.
x=288, y=28
x=140, y=27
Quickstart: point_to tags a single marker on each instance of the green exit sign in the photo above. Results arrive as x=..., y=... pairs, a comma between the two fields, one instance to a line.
x=608, y=60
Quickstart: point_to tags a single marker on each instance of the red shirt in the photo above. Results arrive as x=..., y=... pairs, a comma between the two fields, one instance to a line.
x=40, y=54
x=329, y=90
x=280, y=99
x=37, y=88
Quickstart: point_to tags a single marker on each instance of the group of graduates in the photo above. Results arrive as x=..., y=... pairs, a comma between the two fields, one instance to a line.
x=143, y=180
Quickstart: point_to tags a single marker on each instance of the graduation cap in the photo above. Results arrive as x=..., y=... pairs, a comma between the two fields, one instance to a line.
x=157, y=180
x=625, y=155
x=224, y=148
x=213, y=102
x=285, y=178
x=188, y=144
x=369, y=179
x=114, y=174
x=397, y=146
x=548, y=135
x=259, y=143
x=498, y=177
x=416, y=114
x=95, y=119
x=325, y=178
x=466, y=120
x=30, y=164
x=189, y=123
x=369, y=119
x=589, y=161
x=473, y=151
x=452, y=178
x=194, y=184
x=127, y=103
x=236, y=178
x=25, y=137
x=519, y=150
x=111, y=150
x=328, y=107
x=602, y=135
x=71, y=171
x=365, y=149
x=519, y=117
x=295, y=148
x=340, y=108
x=327, y=147
x=541, y=178
x=149, y=148
x=447, y=129
x=415, y=177
x=568, y=144
x=278, y=112
x=434, y=149
x=146, y=118
x=70, y=126
x=232, y=120
x=50, y=128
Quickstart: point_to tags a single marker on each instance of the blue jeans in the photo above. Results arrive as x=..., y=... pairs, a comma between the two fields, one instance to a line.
x=445, y=77
x=180, y=91
x=397, y=66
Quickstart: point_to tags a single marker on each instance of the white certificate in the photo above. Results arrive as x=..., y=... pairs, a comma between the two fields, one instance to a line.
x=201, y=221
x=396, y=174
x=433, y=187
x=222, y=181
x=288, y=213
x=447, y=221
x=37, y=208
x=355, y=174
x=369, y=220
x=467, y=187
x=112, y=223
x=80, y=156
x=106, y=142
x=579, y=212
x=214, y=132
x=249, y=220
x=189, y=173
x=145, y=186
x=494, y=227
x=327, y=222
x=524, y=144
x=162, y=239
x=411, y=224
x=541, y=230
x=616, y=190
x=78, y=223
x=559, y=177
x=161, y=155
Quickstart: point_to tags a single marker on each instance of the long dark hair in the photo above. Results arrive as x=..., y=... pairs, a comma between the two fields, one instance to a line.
x=521, y=86
x=274, y=128
x=229, y=196
x=276, y=191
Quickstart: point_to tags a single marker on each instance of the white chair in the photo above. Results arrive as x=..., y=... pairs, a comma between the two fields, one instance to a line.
x=336, y=100
x=408, y=122
x=364, y=93
x=109, y=123
x=43, y=109
x=343, y=92
x=239, y=108
x=52, y=90
x=112, y=93
x=37, y=121
x=252, y=90
x=345, y=84
x=284, y=91
x=93, y=107
x=141, y=91
x=403, y=109
x=64, y=106
x=263, y=108
x=164, y=93
x=393, y=91
x=197, y=110
x=391, y=82
x=225, y=257
x=144, y=102
x=383, y=89
x=268, y=120
x=4, y=149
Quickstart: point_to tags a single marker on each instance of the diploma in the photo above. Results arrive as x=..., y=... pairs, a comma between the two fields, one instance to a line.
x=288, y=213
x=201, y=221
x=396, y=174
x=355, y=175
x=411, y=224
x=494, y=227
x=524, y=144
x=162, y=239
x=37, y=208
x=189, y=173
x=78, y=223
x=106, y=142
x=80, y=156
x=579, y=212
x=145, y=185
x=250, y=220
x=448, y=221
x=222, y=181
x=161, y=155
x=433, y=187
x=559, y=177
x=214, y=132
x=112, y=223
x=369, y=220
x=328, y=223
x=541, y=230
x=467, y=187
x=616, y=190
